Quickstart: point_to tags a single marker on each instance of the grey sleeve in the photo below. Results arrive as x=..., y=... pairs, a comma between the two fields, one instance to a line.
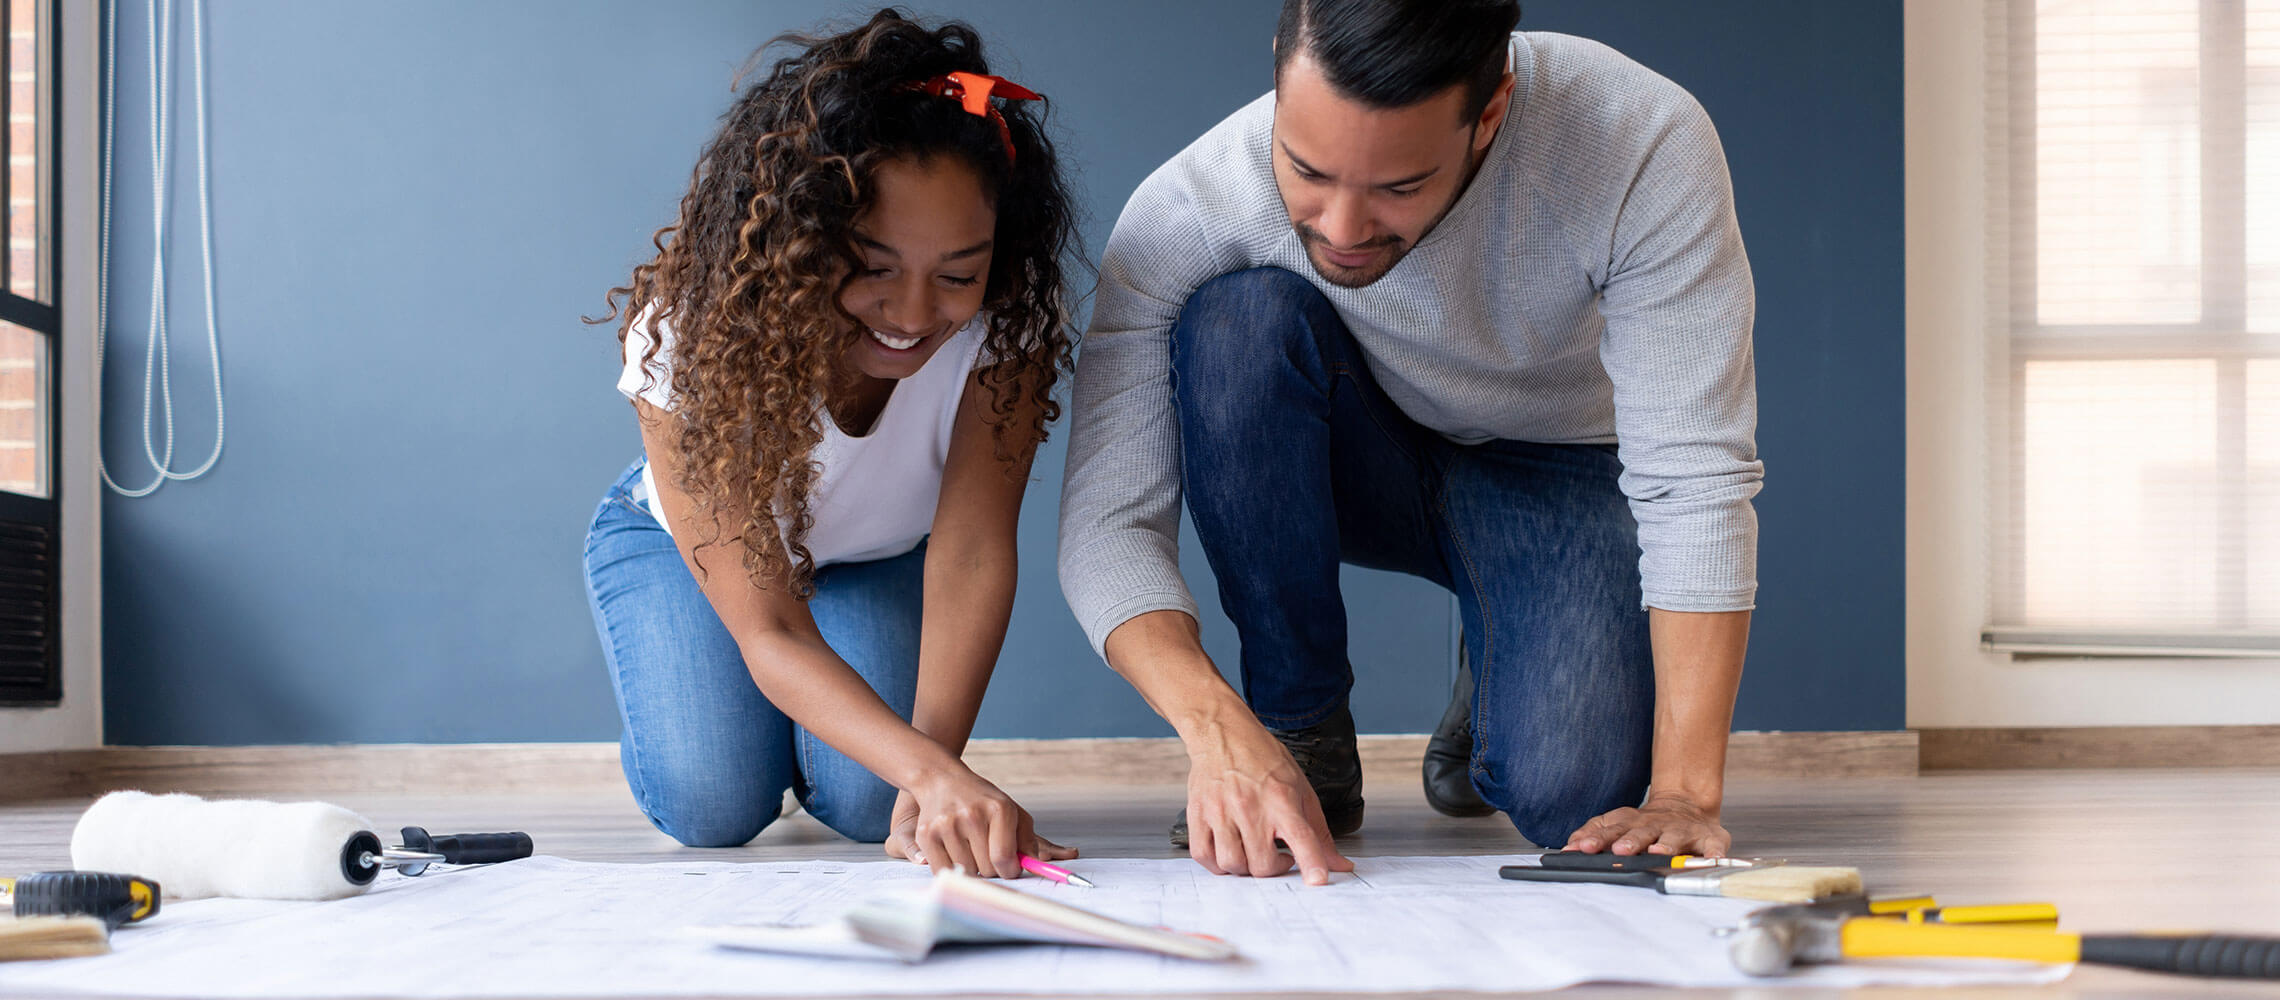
x=1679, y=305
x=1120, y=498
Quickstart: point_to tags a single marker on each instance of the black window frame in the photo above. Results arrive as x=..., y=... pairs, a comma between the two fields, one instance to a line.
x=31, y=527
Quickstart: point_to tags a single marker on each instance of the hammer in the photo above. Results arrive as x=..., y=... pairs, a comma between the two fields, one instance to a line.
x=1771, y=941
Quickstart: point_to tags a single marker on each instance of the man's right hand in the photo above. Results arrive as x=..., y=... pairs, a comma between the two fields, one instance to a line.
x=1244, y=790
x=1245, y=793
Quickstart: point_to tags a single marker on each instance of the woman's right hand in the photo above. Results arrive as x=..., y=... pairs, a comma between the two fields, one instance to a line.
x=959, y=819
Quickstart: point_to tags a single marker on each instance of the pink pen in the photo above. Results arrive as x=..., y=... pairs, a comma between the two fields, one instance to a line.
x=1047, y=870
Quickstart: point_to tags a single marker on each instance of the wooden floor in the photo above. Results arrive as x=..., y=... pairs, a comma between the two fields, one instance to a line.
x=2115, y=850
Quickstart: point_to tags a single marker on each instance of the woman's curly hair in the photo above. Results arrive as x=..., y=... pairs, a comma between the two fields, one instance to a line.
x=747, y=280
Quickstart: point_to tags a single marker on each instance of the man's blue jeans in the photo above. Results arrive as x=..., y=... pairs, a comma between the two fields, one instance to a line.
x=706, y=754
x=1295, y=461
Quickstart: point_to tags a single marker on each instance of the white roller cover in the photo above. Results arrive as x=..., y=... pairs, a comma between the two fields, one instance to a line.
x=196, y=848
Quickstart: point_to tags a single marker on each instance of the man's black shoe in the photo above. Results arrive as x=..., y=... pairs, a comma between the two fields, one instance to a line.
x=1448, y=755
x=1328, y=755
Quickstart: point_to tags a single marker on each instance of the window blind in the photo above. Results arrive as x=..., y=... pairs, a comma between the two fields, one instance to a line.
x=2134, y=285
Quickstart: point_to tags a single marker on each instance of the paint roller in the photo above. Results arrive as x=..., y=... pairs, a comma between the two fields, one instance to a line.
x=255, y=849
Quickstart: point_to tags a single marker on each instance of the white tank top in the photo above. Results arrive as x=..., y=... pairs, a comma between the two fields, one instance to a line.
x=877, y=493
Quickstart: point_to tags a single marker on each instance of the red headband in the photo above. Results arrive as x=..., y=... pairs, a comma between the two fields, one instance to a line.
x=973, y=91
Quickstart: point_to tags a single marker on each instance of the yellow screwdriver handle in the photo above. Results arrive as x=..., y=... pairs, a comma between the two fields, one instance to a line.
x=1870, y=938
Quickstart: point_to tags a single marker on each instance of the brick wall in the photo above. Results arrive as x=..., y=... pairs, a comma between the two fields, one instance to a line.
x=23, y=436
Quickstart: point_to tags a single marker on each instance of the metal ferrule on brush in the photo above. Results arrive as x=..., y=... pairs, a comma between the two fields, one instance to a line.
x=1699, y=881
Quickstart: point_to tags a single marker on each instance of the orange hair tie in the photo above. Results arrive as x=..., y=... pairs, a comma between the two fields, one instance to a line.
x=973, y=92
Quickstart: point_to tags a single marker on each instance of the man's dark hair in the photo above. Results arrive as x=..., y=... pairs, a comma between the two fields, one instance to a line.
x=1395, y=53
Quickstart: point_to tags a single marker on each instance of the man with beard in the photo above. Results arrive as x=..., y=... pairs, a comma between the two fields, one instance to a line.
x=1459, y=302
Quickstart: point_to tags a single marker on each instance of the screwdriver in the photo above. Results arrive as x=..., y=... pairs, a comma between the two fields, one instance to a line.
x=113, y=899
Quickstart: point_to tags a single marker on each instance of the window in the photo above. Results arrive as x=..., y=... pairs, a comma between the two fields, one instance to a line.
x=2135, y=277
x=29, y=325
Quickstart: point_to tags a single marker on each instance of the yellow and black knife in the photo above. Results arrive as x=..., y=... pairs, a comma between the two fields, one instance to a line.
x=114, y=899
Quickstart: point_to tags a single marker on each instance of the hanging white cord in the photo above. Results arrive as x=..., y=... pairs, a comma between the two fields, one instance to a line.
x=157, y=360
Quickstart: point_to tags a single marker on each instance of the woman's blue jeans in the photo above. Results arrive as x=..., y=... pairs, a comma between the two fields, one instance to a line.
x=1295, y=461
x=707, y=756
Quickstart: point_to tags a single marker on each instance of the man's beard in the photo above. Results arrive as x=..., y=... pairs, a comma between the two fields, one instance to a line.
x=1396, y=247
x=1392, y=249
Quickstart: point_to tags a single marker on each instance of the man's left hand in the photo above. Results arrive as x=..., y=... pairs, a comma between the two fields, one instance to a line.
x=1667, y=824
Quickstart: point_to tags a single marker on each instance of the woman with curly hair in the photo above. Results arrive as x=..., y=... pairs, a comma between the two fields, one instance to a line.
x=842, y=359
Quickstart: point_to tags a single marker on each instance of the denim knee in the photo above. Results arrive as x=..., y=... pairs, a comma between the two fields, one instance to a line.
x=857, y=806
x=703, y=804
x=1547, y=824
x=1547, y=800
x=696, y=824
x=1238, y=332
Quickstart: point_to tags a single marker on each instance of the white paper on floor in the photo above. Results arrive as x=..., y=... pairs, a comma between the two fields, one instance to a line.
x=550, y=927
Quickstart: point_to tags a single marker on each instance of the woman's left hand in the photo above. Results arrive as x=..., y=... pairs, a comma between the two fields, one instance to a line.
x=899, y=825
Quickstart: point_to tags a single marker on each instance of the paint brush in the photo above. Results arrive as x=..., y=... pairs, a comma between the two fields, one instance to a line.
x=1771, y=883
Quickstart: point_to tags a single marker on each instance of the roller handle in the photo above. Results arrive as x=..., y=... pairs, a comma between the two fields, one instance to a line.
x=2233, y=956
x=1645, y=878
x=469, y=848
x=113, y=899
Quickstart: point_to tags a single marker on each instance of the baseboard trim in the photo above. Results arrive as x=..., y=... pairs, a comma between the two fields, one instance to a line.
x=1870, y=754
x=2082, y=747
x=524, y=768
x=1395, y=758
x=51, y=775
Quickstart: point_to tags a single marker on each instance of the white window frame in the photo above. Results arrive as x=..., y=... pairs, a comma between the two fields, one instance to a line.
x=1952, y=366
x=2218, y=335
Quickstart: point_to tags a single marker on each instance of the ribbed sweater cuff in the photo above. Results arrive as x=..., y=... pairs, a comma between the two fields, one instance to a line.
x=1102, y=624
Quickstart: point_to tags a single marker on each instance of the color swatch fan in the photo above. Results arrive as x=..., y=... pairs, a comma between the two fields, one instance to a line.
x=960, y=909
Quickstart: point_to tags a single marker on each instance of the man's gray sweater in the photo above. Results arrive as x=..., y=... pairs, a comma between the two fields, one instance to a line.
x=1589, y=286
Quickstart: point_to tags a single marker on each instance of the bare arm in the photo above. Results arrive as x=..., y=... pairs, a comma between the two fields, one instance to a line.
x=1679, y=302
x=960, y=818
x=782, y=648
x=1698, y=671
x=1161, y=655
x=971, y=568
x=1119, y=555
x=1244, y=790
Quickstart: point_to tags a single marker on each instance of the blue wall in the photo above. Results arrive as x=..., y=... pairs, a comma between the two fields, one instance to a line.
x=415, y=201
